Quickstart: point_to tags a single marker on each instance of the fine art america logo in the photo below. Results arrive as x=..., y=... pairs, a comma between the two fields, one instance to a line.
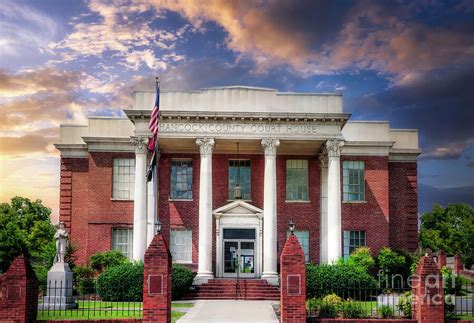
x=238, y=128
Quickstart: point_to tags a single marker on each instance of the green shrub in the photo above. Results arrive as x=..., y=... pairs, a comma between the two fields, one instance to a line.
x=386, y=312
x=332, y=299
x=313, y=304
x=322, y=280
x=453, y=283
x=121, y=283
x=351, y=309
x=404, y=304
x=362, y=257
x=84, y=278
x=393, y=267
x=182, y=279
x=101, y=261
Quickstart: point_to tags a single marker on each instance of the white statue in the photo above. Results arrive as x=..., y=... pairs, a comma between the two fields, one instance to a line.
x=61, y=237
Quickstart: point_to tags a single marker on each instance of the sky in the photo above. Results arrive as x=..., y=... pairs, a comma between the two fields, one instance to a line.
x=408, y=62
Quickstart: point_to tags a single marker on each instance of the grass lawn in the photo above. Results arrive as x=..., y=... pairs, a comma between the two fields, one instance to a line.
x=105, y=310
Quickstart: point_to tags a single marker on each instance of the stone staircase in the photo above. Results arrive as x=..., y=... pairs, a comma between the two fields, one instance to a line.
x=243, y=289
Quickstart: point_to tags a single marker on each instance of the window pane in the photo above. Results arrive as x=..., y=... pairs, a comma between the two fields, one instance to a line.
x=353, y=240
x=181, y=179
x=353, y=181
x=123, y=178
x=296, y=180
x=239, y=173
x=181, y=245
x=122, y=239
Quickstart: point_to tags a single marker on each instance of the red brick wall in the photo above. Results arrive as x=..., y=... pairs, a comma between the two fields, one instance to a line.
x=428, y=292
x=371, y=216
x=403, y=206
x=157, y=282
x=19, y=292
x=293, y=282
x=92, y=212
x=306, y=215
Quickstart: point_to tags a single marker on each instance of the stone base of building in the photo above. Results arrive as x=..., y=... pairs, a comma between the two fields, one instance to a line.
x=57, y=303
x=272, y=279
x=202, y=279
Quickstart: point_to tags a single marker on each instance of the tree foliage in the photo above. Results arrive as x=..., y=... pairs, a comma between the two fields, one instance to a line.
x=450, y=229
x=25, y=226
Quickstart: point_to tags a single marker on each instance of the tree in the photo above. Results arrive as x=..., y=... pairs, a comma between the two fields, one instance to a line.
x=450, y=229
x=25, y=226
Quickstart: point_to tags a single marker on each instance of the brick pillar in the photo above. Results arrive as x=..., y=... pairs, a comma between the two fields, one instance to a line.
x=19, y=292
x=441, y=259
x=458, y=265
x=293, y=282
x=65, y=192
x=157, y=282
x=428, y=293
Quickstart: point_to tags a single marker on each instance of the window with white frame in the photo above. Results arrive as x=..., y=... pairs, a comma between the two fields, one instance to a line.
x=353, y=180
x=181, y=179
x=296, y=180
x=181, y=245
x=303, y=239
x=352, y=241
x=123, y=176
x=122, y=240
x=239, y=173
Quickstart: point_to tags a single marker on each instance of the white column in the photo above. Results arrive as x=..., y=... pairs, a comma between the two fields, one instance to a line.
x=139, y=202
x=323, y=236
x=152, y=204
x=270, y=252
x=334, y=226
x=205, y=273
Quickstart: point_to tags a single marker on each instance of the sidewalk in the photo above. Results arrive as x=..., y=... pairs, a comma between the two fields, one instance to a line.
x=230, y=311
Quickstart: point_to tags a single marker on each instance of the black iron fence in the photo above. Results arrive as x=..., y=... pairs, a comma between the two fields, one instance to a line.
x=459, y=299
x=63, y=303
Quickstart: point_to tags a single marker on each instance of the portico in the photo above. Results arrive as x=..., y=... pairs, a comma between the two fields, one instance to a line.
x=267, y=134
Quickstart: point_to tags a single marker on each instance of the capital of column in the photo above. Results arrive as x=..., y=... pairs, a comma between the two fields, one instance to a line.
x=206, y=145
x=140, y=144
x=270, y=146
x=333, y=147
x=323, y=157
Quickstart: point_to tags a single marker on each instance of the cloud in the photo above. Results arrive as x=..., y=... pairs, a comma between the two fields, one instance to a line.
x=35, y=142
x=329, y=37
x=122, y=29
x=24, y=31
x=438, y=103
x=428, y=196
x=470, y=164
x=34, y=81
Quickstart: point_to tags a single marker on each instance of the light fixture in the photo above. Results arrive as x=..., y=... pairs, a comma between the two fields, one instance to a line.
x=291, y=227
x=237, y=188
x=158, y=227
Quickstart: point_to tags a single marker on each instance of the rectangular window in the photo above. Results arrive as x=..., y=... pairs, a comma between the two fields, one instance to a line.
x=122, y=240
x=353, y=181
x=181, y=245
x=297, y=180
x=182, y=179
x=123, y=178
x=239, y=173
x=303, y=239
x=352, y=241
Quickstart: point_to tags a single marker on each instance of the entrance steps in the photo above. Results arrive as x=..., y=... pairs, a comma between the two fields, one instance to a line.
x=243, y=289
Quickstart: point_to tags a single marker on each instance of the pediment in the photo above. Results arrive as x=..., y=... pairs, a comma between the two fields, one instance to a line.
x=238, y=207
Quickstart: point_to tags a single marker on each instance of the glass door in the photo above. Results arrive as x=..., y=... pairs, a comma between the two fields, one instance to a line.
x=231, y=257
x=239, y=258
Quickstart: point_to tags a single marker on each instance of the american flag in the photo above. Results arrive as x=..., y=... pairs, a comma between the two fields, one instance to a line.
x=153, y=125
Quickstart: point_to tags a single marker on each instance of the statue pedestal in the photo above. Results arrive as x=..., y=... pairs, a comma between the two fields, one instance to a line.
x=59, y=288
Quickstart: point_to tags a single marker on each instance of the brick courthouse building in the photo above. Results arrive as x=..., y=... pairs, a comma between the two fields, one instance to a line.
x=236, y=164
